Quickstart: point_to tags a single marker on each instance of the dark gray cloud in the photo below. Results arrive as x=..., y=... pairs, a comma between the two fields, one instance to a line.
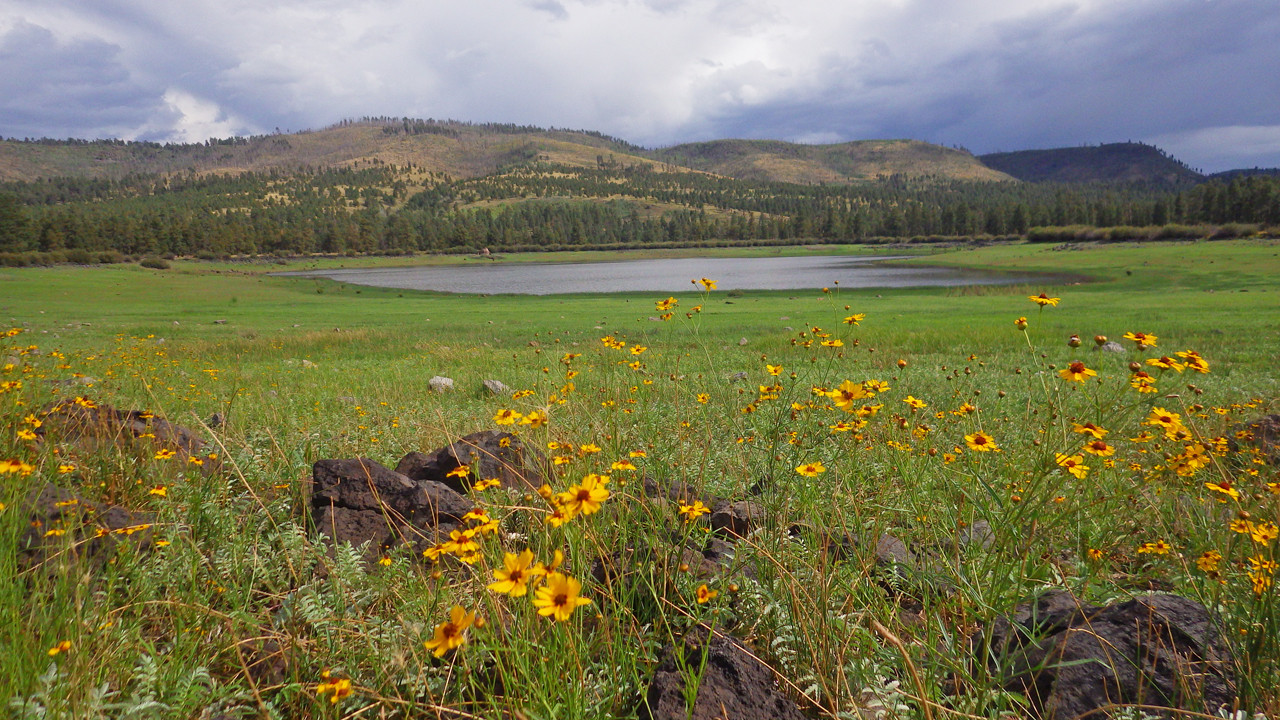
x=66, y=89
x=1196, y=76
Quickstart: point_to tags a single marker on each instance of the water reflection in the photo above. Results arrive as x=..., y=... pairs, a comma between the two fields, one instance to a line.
x=667, y=275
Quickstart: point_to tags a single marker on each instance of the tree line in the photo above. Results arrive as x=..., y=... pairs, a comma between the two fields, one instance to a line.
x=534, y=204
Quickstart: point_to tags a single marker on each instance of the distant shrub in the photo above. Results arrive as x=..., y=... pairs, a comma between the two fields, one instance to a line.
x=1058, y=234
x=1234, y=230
x=155, y=263
x=1122, y=233
x=80, y=256
x=1181, y=232
x=110, y=257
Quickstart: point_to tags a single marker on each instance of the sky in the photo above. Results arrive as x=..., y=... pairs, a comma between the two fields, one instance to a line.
x=1198, y=78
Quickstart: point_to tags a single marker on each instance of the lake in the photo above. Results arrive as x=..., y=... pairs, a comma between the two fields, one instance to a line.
x=491, y=277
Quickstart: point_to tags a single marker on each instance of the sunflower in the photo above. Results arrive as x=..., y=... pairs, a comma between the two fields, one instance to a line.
x=514, y=576
x=559, y=597
x=1074, y=464
x=451, y=634
x=1076, y=372
x=981, y=442
x=1141, y=338
x=1089, y=429
x=507, y=417
x=813, y=469
x=586, y=497
x=1099, y=448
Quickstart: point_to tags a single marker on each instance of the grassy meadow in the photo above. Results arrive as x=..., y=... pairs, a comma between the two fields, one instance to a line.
x=306, y=369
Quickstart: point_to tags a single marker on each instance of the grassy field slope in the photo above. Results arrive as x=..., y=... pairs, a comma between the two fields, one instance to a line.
x=837, y=163
x=230, y=603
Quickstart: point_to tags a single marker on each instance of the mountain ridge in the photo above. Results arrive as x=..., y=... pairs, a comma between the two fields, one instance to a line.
x=455, y=149
x=1109, y=162
x=469, y=150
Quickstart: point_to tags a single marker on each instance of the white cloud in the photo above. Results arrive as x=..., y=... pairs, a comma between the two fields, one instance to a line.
x=1221, y=148
x=190, y=119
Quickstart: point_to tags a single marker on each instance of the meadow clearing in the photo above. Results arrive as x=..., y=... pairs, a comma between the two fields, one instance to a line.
x=914, y=413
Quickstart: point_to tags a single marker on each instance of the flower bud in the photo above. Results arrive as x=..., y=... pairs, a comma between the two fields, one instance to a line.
x=1135, y=366
x=1100, y=339
x=902, y=363
x=1020, y=323
x=1074, y=341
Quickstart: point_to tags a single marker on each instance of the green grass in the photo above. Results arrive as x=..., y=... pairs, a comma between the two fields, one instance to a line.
x=179, y=625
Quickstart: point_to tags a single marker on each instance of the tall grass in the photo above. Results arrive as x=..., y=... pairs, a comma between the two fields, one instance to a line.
x=245, y=612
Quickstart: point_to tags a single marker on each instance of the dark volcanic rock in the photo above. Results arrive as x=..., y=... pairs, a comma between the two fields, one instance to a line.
x=737, y=518
x=63, y=524
x=1266, y=435
x=500, y=455
x=1072, y=658
x=358, y=501
x=86, y=422
x=978, y=535
x=734, y=685
x=675, y=491
x=889, y=550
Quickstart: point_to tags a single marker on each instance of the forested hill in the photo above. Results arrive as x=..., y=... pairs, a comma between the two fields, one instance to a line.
x=453, y=149
x=774, y=160
x=1115, y=162
x=467, y=150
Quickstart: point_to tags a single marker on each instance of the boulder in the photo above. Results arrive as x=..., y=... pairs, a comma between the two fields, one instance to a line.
x=676, y=491
x=88, y=423
x=889, y=550
x=496, y=387
x=1266, y=436
x=978, y=535
x=733, y=684
x=1111, y=346
x=440, y=384
x=358, y=501
x=490, y=454
x=1071, y=658
x=737, y=518
x=62, y=524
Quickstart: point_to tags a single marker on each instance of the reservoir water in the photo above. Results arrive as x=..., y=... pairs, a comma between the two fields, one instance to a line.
x=667, y=275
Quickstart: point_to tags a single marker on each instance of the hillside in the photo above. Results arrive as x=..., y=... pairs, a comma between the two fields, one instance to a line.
x=1115, y=162
x=773, y=160
x=462, y=150
x=457, y=150
x=1229, y=175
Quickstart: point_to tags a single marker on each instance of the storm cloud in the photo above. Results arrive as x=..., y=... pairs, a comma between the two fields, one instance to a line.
x=1196, y=77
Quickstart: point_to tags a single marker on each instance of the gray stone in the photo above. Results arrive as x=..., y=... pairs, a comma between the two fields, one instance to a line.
x=497, y=387
x=1111, y=346
x=743, y=341
x=440, y=384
